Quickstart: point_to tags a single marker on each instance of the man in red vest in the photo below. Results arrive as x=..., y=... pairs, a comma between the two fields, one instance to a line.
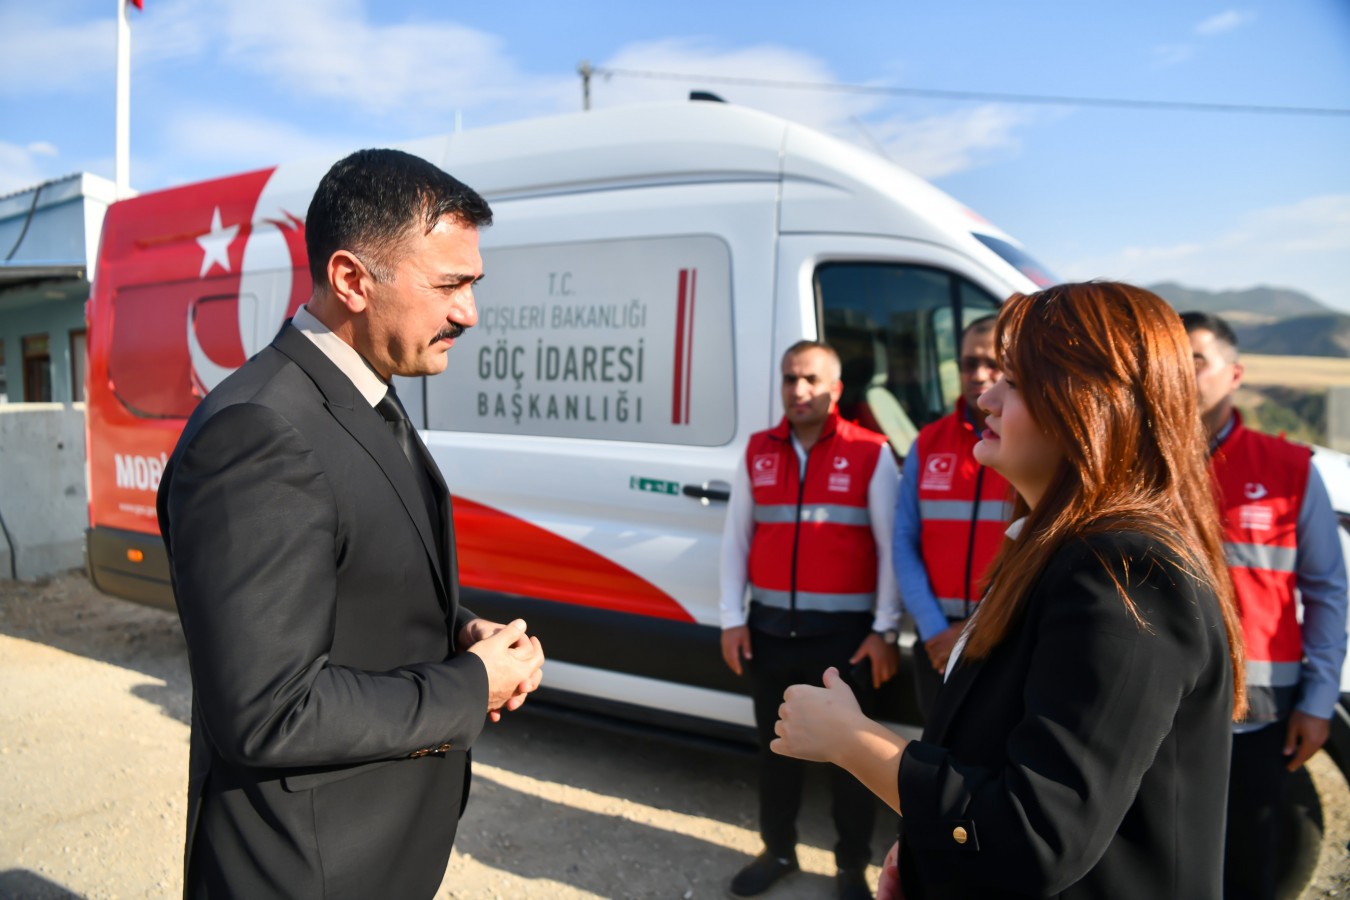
x=950, y=517
x=1280, y=537
x=808, y=531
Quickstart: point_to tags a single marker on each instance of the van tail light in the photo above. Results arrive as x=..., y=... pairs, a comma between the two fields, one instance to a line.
x=136, y=556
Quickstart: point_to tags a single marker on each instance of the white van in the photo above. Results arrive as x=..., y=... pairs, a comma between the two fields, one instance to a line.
x=646, y=271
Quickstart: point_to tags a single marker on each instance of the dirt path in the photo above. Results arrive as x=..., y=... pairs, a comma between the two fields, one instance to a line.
x=93, y=759
x=93, y=762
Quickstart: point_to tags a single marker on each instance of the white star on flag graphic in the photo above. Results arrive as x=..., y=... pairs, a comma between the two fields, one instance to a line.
x=216, y=244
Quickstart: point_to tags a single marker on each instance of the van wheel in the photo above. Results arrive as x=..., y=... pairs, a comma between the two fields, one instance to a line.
x=1301, y=830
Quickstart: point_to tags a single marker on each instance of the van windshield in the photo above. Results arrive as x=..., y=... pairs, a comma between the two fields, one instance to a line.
x=896, y=328
x=1019, y=259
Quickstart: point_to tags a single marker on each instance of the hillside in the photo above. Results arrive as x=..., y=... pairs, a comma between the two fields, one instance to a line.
x=1268, y=303
x=1290, y=394
x=1274, y=321
x=1295, y=349
x=1327, y=334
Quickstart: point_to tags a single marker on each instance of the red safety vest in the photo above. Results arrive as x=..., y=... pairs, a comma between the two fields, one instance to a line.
x=1263, y=480
x=964, y=509
x=813, y=548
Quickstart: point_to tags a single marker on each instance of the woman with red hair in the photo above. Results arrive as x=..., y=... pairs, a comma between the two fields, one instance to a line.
x=1079, y=746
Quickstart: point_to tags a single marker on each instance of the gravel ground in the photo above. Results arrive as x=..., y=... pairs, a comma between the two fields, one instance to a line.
x=93, y=761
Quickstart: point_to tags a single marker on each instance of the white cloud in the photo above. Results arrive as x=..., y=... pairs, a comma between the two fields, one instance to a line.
x=929, y=145
x=827, y=110
x=42, y=51
x=168, y=31
x=19, y=168
x=408, y=71
x=1165, y=55
x=413, y=77
x=943, y=144
x=237, y=142
x=43, y=148
x=58, y=47
x=1224, y=21
x=1304, y=245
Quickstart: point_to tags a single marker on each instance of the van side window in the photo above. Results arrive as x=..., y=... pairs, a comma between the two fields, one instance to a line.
x=895, y=328
x=162, y=333
x=623, y=340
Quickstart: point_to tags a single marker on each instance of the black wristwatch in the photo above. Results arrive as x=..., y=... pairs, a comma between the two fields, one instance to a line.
x=889, y=637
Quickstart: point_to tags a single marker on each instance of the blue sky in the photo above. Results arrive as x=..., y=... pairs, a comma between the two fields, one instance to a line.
x=1212, y=200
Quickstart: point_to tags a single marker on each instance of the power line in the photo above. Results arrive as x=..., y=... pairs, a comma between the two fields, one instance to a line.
x=933, y=93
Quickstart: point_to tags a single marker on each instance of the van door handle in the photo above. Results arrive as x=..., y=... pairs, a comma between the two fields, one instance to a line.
x=709, y=491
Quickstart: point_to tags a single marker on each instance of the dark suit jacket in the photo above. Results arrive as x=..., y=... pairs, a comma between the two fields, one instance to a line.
x=320, y=613
x=1085, y=757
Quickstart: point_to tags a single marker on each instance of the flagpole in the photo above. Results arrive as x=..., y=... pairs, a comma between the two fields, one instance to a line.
x=122, y=153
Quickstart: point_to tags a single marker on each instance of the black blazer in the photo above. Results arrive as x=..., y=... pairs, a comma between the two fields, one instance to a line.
x=319, y=611
x=1085, y=757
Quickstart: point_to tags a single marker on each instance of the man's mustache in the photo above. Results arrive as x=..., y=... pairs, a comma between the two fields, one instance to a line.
x=451, y=331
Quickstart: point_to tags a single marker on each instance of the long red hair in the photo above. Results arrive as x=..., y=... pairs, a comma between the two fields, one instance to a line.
x=1106, y=371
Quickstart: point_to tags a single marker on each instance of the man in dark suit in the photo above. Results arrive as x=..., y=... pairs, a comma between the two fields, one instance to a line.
x=337, y=683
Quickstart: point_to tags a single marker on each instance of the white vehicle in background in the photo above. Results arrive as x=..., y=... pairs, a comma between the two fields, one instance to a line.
x=1334, y=468
x=647, y=269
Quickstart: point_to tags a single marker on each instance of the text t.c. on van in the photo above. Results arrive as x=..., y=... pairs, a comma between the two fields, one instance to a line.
x=647, y=268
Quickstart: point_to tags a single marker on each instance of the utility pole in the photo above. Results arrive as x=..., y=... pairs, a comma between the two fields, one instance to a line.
x=585, y=71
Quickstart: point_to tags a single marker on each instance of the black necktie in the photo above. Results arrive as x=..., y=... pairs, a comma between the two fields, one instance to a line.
x=397, y=417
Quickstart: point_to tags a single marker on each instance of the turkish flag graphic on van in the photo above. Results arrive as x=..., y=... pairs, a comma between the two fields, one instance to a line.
x=184, y=313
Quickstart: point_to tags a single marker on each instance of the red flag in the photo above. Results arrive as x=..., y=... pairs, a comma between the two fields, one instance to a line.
x=139, y=4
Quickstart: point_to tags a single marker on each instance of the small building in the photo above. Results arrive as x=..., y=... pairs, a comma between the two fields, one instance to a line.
x=49, y=236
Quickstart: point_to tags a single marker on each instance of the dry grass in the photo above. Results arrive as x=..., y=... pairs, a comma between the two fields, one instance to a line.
x=1295, y=371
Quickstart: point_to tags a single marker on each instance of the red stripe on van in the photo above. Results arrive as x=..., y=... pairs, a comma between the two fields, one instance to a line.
x=675, y=404
x=689, y=344
x=504, y=553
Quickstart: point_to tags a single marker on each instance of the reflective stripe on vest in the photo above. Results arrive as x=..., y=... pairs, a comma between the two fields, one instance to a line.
x=809, y=601
x=786, y=514
x=1261, y=556
x=826, y=554
x=1272, y=690
x=954, y=607
x=961, y=511
x=1269, y=674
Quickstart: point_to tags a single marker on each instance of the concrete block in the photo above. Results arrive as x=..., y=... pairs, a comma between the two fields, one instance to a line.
x=43, y=497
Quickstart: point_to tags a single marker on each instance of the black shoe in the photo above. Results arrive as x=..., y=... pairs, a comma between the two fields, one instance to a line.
x=762, y=874
x=852, y=885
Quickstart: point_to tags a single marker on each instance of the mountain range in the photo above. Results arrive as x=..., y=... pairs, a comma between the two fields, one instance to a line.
x=1275, y=321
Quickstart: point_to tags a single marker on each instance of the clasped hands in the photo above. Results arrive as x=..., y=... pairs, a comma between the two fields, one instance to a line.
x=514, y=661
